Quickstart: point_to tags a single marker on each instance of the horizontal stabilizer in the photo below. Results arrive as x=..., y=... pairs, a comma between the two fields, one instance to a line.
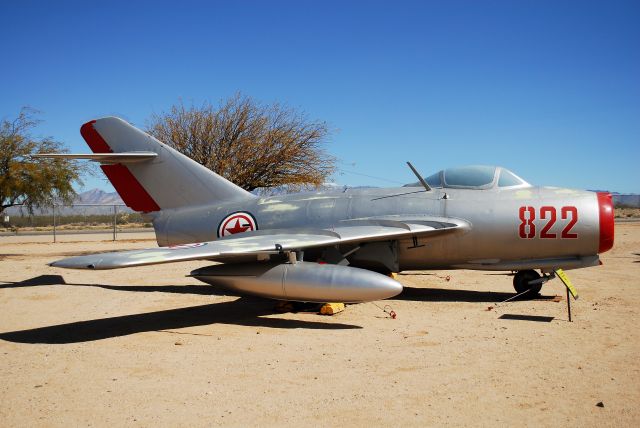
x=106, y=158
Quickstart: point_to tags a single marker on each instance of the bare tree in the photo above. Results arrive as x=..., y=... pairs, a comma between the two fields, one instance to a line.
x=252, y=145
x=32, y=182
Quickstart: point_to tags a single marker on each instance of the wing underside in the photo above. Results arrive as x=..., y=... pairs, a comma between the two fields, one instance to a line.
x=274, y=241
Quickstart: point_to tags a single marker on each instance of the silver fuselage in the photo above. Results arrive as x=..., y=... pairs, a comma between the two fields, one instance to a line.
x=493, y=241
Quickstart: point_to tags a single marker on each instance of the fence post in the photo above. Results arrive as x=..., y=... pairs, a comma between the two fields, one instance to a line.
x=115, y=217
x=54, y=222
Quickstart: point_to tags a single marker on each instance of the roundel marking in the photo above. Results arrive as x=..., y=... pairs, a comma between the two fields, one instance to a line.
x=238, y=222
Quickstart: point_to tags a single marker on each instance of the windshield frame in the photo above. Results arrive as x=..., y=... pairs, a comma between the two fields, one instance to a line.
x=492, y=185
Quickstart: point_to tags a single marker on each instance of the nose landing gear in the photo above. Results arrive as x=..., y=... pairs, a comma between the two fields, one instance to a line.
x=529, y=280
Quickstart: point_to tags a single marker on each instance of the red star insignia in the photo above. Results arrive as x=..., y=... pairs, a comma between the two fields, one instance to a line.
x=237, y=228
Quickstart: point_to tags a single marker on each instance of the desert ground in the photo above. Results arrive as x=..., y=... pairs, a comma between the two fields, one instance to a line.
x=151, y=347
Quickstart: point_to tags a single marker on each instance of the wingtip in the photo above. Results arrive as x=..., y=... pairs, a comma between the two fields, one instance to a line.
x=70, y=265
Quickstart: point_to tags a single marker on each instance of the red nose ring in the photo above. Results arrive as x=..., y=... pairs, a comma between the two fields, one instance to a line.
x=606, y=221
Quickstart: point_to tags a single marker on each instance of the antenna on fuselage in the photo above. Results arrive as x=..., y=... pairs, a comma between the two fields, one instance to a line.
x=424, y=183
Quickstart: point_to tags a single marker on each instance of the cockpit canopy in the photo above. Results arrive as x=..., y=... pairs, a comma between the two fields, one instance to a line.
x=474, y=177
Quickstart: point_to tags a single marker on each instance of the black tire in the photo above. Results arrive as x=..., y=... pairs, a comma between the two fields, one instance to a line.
x=521, y=283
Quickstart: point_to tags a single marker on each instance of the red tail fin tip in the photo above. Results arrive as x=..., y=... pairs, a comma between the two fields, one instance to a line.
x=125, y=183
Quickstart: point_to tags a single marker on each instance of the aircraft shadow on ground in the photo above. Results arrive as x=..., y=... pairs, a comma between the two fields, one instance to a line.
x=35, y=281
x=520, y=317
x=246, y=311
x=452, y=295
x=180, y=289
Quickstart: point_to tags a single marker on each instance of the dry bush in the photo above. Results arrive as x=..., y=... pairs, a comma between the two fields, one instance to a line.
x=252, y=145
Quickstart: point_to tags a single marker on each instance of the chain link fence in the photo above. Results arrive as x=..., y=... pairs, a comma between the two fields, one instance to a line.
x=75, y=218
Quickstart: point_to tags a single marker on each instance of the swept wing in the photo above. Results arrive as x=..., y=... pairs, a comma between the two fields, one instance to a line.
x=270, y=241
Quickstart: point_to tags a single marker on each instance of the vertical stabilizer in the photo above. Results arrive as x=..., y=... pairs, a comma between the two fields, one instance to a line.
x=170, y=180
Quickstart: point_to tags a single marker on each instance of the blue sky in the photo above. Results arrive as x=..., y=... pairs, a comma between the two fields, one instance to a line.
x=549, y=89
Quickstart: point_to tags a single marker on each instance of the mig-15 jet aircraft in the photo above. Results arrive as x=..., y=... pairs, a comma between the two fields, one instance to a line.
x=341, y=246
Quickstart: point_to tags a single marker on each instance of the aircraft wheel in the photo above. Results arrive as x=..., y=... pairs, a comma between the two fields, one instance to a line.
x=521, y=283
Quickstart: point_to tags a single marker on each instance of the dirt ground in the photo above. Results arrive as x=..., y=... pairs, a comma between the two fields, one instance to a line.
x=151, y=347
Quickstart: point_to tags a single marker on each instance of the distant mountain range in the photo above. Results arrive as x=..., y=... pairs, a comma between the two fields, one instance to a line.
x=626, y=200
x=97, y=196
x=93, y=196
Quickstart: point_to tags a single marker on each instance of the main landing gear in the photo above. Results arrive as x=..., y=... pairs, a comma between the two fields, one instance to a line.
x=525, y=280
